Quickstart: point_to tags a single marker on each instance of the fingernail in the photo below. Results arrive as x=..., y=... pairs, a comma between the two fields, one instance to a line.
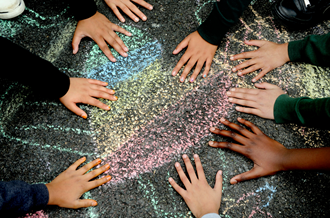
x=211, y=143
x=191, y=80
x=228, y=93
x=150, y=8
x=84, y=116
x=204, y=75
x=108, y=108
x=240, y=74
x=233, y=89
x=122, y=20
x=108, y=178
x=125, y=54
x=222, y=119
x=238, y=118
x=177, y=164
x=125, y=49
x=116, y=97
x=106, y=83
x=195, y=155
x=254, y=80
x=170, y=179
x=129, y=34
x=144, y=18
x=220, y=172
x=98, y=161
x=234, y=69
x=136, y=19
x=184, y=156
x=181, y=79
x=237, y=108
x=94, y=204
x=234, y=181
x=173, y=73
x=212, y=129
x=114, y=91
x=232, y=58
x=107, y=166
x=230, y=99
x=174, y=50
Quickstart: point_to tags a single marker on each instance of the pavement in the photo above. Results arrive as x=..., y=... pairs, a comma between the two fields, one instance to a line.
x=156, y=118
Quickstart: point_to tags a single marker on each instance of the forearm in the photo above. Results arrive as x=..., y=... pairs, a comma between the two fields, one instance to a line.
x=42, y=76
x=307, y=159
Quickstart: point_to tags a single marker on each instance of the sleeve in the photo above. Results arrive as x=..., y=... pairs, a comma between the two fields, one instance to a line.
x=82, y=9
x=303, y=111
x=223, y=16
x=18, y=198
x=23, y=66
x=314, y=49
x=211, y=215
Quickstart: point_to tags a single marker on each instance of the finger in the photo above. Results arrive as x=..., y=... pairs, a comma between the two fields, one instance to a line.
x=181, y=62
x=105, y=49
x=182, y=175
x=199, y=168
x=191, y=63
x=143, y=4
x=253, y=127
x=251, y=69
x=100, y=94
x=98, y=182
x=260, y=75
x=116, y=12
x=76, y=41
x=75, y=109
x=218, y=182
x=257, y=43
x=243, y=90
x=96, y=172
x=243, y=94
x=244, y=65
x=97, y=82
x=252, y=174
x=265, y=85
x=89, y=166
x=207, y=67
x=238, y=128
x=190, y=169
x=103, y=89
x=198, y=68
x=113, y=39
x=76, y=164
x=184, y=43
x=247, y=103
x=121, y=30
x=136, y=11
x=228, y=145
x=176, y=187
x=79, y=203
x=243, y=55
x=129, y=13
x=97, y=103
x=249, y=110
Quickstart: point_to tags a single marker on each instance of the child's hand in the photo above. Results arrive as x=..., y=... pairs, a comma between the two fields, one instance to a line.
x=199, y=196
x=269, y=56
x=82, y=91
x=199, y=51
x=267, y=154
x=101, y=30
x=259, y=101
x=128, y=8
x=67, y=188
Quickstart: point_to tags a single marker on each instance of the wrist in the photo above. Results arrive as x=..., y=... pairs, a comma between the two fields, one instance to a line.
x=285, y=53
x=51, y=200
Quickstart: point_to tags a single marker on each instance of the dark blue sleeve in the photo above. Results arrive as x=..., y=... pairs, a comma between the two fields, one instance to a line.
x=18, y=198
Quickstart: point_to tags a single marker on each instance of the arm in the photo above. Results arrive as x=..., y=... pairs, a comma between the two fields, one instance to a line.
x=314, y=49
x=203, y=43
x=268, y=155
x=18, y=198
x=303, y=111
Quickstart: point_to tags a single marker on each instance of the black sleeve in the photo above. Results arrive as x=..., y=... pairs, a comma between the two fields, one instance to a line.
x=18, y=198
x=23, y=66
x=223, y=16
x=82, y=9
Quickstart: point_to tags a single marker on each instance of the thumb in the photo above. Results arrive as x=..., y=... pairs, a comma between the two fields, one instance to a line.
x=218, y=182
x=76, y=41
x=75, y=109
x=85, y=203
x=265, y=85
x=252, y=174
x=181, y=46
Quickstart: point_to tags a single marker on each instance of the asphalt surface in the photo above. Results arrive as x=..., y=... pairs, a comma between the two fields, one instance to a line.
x=156, y=119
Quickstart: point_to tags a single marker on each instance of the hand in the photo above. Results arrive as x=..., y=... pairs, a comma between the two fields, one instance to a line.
x=199, y=51
x=199, y=196
x=128, y=8
x=83, y=90
x=259, y=102
x=269, y=56
x=101, y=30
x=66, y=189
x=267, y=154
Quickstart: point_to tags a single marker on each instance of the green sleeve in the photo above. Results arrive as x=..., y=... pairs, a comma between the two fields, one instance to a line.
x=223, y=16
x=313, y=49
x=304, y=111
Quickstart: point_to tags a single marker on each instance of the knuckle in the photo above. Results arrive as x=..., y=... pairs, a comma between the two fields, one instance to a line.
x=232, y=135
x=228, y=145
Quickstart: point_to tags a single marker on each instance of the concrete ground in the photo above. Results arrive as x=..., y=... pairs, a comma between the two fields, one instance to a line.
x=156, y=119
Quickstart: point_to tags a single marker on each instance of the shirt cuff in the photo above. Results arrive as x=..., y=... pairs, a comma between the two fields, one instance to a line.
x=211, y=215
x=82, y=9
